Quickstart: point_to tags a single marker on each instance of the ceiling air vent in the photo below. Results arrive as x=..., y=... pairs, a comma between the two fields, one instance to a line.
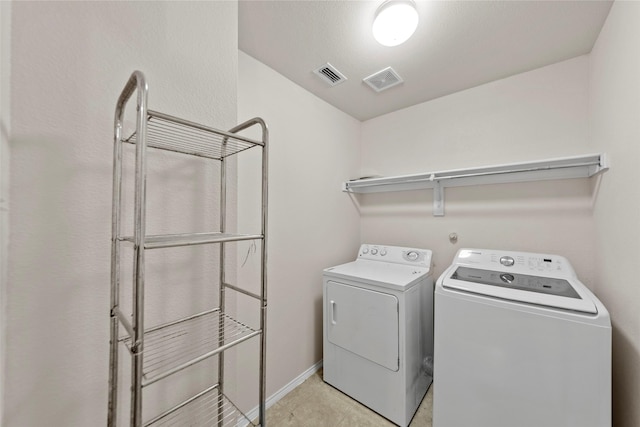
x=330, y=74
x=383, y=79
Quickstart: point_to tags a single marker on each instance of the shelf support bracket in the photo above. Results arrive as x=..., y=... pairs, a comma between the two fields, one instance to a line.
x=438, y=199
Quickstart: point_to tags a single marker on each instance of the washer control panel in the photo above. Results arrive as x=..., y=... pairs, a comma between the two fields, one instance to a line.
x=395, y=254
x=518, y=262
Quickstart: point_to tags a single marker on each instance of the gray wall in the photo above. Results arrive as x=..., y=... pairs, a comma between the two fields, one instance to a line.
x=614, y=119
x=537, y=115
x=69, y=62
x=5, y=123
x=313, y=225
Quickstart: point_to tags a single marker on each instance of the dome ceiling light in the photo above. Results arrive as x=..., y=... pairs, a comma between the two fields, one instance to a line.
x=395, y=22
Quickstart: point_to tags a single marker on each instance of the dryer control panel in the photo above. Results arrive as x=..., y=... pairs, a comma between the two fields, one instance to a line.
x=396, y=254
x=517, y=262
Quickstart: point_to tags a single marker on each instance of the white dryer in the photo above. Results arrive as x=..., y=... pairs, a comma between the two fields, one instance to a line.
x=519, y=341
x=378, y=329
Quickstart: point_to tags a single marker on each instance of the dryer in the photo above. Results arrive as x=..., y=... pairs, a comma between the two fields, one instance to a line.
x=519, y=341
x=378, y=329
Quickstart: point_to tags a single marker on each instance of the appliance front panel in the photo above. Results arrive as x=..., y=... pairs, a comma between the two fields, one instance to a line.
x=498, y=366
x=364, y=322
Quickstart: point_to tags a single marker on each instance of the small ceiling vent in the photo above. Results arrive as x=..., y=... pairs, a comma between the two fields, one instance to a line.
x=330, y=74
x=383, y=79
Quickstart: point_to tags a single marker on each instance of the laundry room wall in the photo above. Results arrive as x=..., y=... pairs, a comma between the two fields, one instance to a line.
x=5, y=123
x=614, y=101
x=313, y=147
x=69, y=63
x=535, y=115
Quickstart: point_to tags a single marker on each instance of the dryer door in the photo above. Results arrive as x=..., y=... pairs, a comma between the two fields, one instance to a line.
x=363, y=322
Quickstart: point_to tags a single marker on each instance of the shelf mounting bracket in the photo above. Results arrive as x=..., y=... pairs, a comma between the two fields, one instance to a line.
x=438, y=199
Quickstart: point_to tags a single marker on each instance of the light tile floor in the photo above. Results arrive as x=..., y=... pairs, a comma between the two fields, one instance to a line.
x=316, y=404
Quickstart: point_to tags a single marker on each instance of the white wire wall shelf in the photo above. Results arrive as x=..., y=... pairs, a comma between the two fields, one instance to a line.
x=557, y=168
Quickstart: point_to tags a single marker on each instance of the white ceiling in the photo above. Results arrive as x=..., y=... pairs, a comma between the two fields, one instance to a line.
x=458, y=45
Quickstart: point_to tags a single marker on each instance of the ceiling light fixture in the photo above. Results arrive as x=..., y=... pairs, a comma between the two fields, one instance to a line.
x=395, y=22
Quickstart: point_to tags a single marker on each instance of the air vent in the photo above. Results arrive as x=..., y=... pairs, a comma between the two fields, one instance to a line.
x=330, y=74
x=383, y=79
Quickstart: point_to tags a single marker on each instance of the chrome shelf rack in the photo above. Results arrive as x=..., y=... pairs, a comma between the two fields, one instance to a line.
x=163, y=350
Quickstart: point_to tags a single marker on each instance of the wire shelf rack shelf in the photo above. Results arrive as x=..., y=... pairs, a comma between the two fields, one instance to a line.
x=170, y=133
x=210, y=407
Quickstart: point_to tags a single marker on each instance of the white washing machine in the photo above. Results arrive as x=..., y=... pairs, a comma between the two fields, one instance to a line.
x=378, y=329
x=519, y=341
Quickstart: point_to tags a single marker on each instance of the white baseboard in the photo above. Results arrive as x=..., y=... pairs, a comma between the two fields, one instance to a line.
x=271, y=400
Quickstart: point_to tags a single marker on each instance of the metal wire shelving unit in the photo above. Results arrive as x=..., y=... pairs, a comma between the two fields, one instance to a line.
x=164, y=350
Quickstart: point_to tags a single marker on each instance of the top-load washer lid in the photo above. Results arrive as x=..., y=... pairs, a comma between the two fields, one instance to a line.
x=384, y=274
x=563, y=293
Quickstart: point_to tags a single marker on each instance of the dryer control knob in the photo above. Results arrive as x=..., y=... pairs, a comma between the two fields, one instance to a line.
x=365, y=250
x=412, y=256
x=383, y=252
x=374, y=251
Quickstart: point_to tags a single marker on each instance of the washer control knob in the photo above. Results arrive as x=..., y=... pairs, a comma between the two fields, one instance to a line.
x=365, y=249
x=507, y=278
x=412, y=256
x=383, y=252
x=374, y=251
x=507, y=261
